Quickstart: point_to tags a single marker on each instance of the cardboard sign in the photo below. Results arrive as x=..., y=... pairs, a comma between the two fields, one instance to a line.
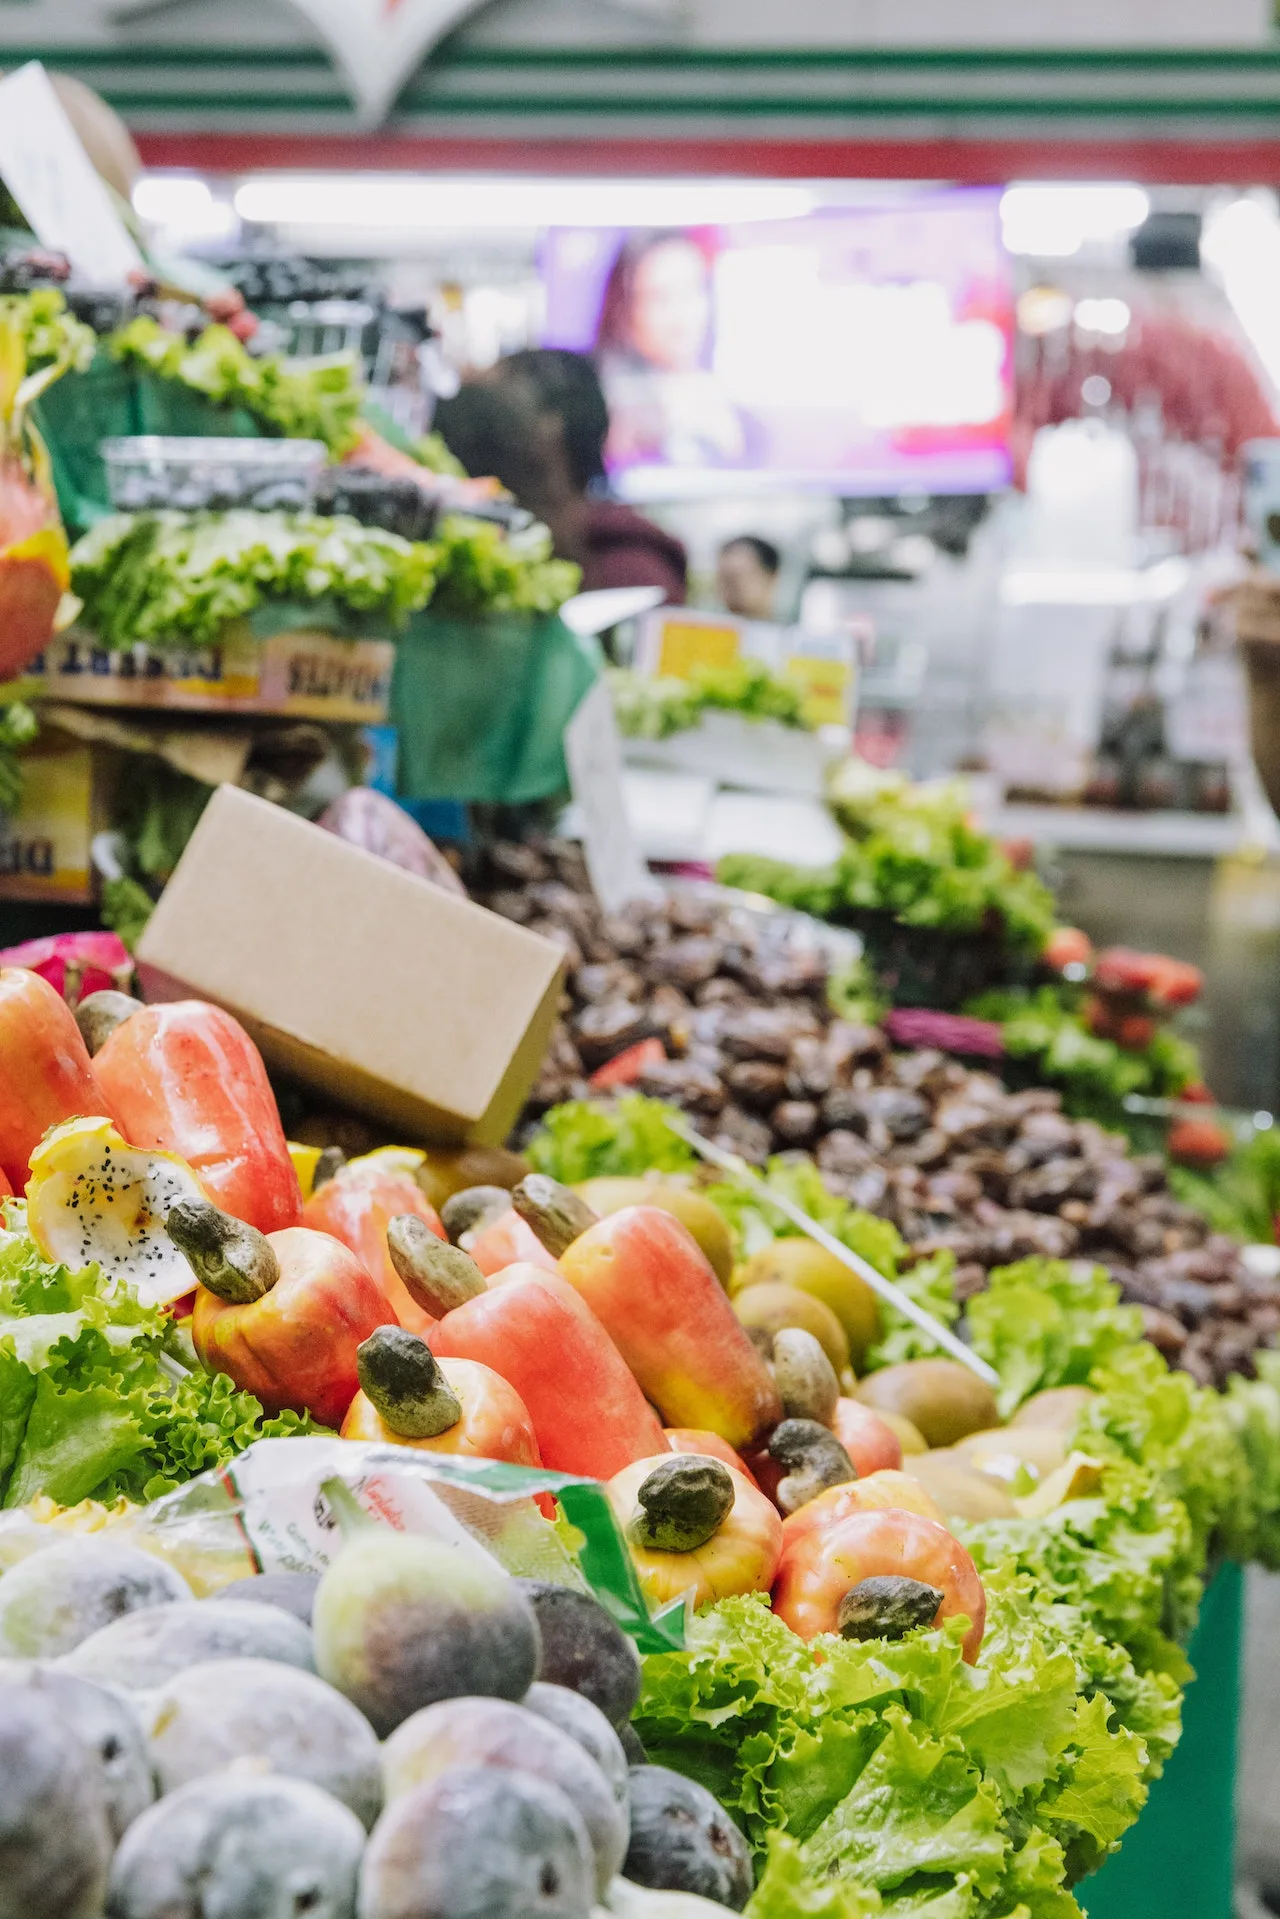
x=593, y=754
x=372, y=986
x=52, y=178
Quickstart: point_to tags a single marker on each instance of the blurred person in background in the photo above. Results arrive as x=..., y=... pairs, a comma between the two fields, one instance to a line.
x=747, y=577
x=538, y=422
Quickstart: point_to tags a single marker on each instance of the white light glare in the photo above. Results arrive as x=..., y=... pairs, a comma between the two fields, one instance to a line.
x=1056, y=221
x=183, y=203
x=416, y=201
x=1241, y=244
x=1102, y=316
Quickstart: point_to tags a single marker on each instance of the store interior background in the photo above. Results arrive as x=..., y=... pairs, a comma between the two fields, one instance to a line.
x=1056, y=639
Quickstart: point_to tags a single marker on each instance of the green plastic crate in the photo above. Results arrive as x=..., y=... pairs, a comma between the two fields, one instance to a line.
x=1179, y=1858
x=481, y=705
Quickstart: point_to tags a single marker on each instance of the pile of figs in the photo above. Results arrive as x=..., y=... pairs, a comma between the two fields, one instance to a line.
x=413, y=1734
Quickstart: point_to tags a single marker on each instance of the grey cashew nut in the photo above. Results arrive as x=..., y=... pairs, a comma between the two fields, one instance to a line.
x=815, y=1458
x=805, y=1378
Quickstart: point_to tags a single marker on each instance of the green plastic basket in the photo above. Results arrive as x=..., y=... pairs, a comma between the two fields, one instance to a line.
x=481, y=706
x=1180, y=1857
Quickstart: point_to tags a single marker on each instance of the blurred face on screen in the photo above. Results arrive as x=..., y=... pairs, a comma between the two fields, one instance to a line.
x=671, y=307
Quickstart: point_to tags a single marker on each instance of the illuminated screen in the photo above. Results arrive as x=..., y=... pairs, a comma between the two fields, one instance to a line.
x=859, y=350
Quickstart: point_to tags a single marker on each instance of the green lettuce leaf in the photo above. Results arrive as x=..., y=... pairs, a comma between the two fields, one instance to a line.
x=785, y=1891
x=94, y=1401
x=1049, y=1322
x=918, y=1806
x=624, y=1138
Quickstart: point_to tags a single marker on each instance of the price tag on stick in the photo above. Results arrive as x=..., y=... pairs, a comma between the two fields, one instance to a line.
x=593, y=754
x=52, y=178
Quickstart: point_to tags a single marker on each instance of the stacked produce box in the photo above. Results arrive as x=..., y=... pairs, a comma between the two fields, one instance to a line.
x=252, y=555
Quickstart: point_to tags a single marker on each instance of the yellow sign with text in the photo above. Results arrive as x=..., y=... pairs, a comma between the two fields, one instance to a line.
x=827, y=685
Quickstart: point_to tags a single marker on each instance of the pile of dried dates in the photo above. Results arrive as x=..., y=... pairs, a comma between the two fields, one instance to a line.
x=723, y=1011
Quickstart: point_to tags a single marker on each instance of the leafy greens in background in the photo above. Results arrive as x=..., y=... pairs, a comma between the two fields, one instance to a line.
x=890, y=1778
x=480, y=569
x=913, y=853
x=168, y=577
x=52, y=336
x=656, y=708
x=1045, y=1029
x=180, y=578
x=301, y=400
x=93, y=1403
x=1243, y=1195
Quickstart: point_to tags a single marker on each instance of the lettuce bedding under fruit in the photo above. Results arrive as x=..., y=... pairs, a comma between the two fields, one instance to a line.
x=96, y=1399
x=890, y=1778
x=882, y=1777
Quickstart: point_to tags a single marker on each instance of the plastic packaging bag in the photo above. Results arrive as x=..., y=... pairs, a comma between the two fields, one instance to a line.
x=267, y=1512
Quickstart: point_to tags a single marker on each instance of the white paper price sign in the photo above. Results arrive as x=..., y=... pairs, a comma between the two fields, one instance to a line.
x=52, y=178
x=593, y=754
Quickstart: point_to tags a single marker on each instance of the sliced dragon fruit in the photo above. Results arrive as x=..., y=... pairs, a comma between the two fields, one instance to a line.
x=93, y=1198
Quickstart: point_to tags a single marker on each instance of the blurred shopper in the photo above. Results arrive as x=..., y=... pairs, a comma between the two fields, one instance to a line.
x=538, y=422
x=747, y=577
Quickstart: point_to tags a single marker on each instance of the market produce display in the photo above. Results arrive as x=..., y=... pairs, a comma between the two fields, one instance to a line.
x=723, y=1014
x=933, y=1659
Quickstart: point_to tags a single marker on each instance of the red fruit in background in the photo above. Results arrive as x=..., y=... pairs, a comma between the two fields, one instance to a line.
x=1122, y=970
x=1105, y=1020
x=101, y=960
x=1134, y=1032
x=1067, y=946
x=1176, y=984
x=625, y=1068
x=225, y=304
x=1198, y=1142
x=1020, y=854
x=1197, y=1094
x=1100, y=1017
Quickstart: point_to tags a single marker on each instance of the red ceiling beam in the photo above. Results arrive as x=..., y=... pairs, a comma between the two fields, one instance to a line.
x=1244, y=162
